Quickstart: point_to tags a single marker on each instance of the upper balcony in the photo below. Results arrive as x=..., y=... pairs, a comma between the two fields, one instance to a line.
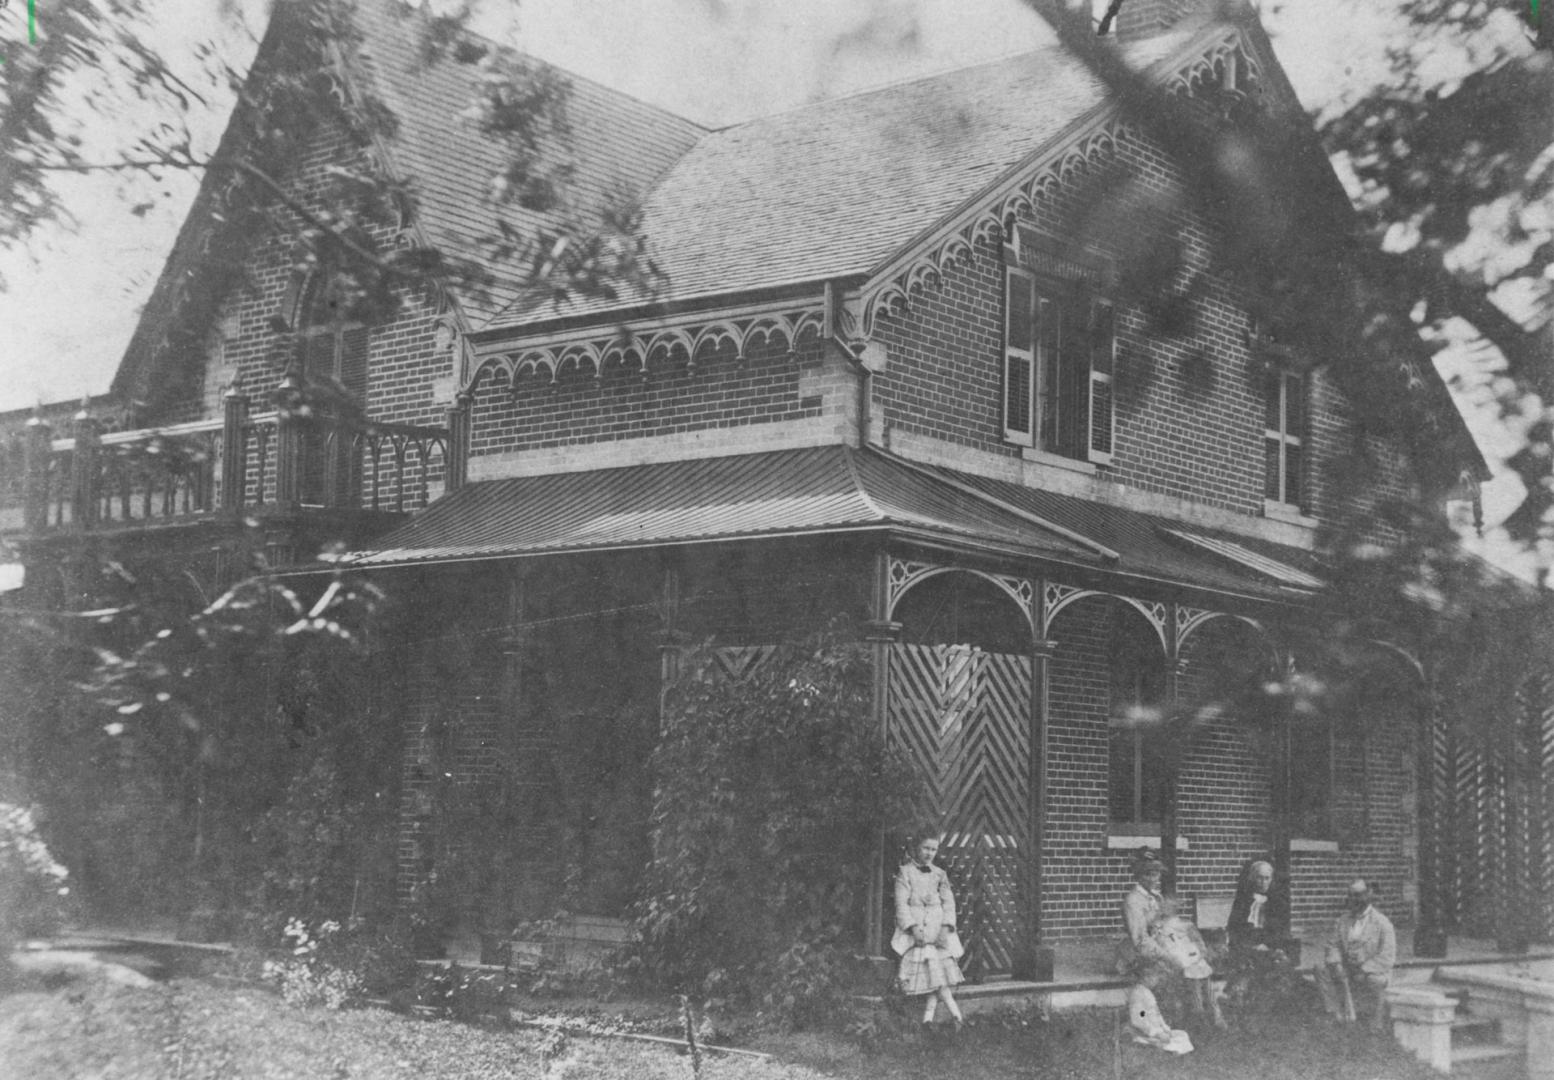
x=274, y=466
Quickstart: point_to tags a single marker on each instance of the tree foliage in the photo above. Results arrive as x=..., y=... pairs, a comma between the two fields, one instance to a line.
x=307, y=77
x=773, y=792
x=184, y=755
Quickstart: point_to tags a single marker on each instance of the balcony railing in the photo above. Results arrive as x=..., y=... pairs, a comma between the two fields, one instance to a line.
x=239, y=464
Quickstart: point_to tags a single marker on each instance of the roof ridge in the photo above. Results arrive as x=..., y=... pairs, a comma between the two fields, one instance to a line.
x=411, y=9
x=894, y=84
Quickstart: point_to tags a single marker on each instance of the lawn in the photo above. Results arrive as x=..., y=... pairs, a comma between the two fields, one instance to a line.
x=192, y=1029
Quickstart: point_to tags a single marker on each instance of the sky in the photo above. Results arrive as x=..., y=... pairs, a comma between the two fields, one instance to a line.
x=70, y=303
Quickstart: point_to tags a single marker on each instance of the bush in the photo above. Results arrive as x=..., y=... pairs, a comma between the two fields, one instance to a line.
x=772, y=793
x=32, y=884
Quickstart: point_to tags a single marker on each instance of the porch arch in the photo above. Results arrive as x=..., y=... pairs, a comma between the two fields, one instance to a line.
x=959, y=703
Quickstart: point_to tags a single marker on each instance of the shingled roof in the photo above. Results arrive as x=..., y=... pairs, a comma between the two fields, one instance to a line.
x=616, y=145
x=823, y=191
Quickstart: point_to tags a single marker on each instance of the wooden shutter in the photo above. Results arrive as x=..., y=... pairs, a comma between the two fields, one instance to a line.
x=1019, y=356
x=353, y=363
x=1103, y=362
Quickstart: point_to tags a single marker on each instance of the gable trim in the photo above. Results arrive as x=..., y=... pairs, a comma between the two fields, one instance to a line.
x=596, y=346
x=991, y=213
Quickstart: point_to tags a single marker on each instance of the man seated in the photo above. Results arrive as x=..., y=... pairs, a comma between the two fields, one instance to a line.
x=1357, y=962
x=1262, y=952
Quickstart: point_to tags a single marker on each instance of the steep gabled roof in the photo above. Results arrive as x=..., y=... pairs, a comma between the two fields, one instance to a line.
x=617, y=146
x=836, y=188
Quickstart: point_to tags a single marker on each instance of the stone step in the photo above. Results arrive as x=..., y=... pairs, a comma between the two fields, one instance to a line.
x=1489, y=1062
x=1475, y=1031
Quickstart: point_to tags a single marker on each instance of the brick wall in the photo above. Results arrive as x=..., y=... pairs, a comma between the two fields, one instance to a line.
x=534, y=412
x=1223, y=790
x=1190, y=416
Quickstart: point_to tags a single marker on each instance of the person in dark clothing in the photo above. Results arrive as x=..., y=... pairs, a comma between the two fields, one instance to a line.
x=1263, y=955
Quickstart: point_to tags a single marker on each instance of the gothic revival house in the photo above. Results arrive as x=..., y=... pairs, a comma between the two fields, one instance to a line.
x=893, y=378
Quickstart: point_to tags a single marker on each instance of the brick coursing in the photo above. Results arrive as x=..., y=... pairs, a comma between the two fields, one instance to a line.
x=1190, y=417
x=720, y=390
x=1224, y=793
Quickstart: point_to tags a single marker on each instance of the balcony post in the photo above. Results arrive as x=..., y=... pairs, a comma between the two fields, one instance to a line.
x=83, y=472
x=39, y=449
x=234, y=446
x=456, y=467
x=288, y=443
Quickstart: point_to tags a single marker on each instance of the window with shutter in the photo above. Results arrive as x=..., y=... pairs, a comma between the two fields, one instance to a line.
x=1059, y=363
x=1019, y=357
x=1103, y=360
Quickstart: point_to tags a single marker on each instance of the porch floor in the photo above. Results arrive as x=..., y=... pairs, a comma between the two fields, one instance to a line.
x=1083, y=975
x=1083, y=960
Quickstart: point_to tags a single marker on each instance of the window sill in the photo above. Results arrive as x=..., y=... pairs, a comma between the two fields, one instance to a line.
x=1285, y=512
x=1057, y=461
x=1132, y=841
x=1326, y=846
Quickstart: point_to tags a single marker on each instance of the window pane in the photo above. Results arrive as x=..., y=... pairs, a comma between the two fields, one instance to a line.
x=1073, y=386
x=1101, y=337
x=1047, y=380
x=1294, y=405
x=1272, y=414
x=1291, y=474
x=1152, y=797
x=1122, y=756
x=1271, y=488
x=1020, y=328
x=1311, y=778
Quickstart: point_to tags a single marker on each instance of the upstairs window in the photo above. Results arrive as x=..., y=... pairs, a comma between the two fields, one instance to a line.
x=334, y=363
x=1059, y=361
x=1284, y=409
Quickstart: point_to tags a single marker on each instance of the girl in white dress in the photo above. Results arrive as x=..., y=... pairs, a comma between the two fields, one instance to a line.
x=925, y=932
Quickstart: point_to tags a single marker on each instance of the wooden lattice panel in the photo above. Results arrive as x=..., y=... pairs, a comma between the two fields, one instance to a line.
x=963, y=716
x=1540, y=861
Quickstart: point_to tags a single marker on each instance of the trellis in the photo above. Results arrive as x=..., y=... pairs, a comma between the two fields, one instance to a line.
x=1497, y=810
x=963, y=717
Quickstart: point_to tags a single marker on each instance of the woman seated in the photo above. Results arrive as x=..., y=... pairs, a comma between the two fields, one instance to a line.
x=1161, y=949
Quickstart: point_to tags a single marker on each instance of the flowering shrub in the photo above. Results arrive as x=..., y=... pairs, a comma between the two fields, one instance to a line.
x=32, y=884
x=306, y=977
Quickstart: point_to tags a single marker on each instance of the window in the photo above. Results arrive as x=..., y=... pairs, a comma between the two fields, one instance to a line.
x=1311, y=779
x=1284, y=408
x=1059, y=360
x=1137, y=755
x=334, y=364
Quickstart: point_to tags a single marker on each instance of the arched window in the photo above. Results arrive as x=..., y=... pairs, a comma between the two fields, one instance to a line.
x=333, y=353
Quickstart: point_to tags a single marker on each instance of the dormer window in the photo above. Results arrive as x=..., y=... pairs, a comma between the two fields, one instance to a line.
x=1059, y=361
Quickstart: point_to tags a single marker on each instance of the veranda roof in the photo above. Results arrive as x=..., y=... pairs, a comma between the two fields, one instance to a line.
x=826, y=490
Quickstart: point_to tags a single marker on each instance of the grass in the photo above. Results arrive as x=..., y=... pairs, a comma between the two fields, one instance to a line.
x=194, y=1029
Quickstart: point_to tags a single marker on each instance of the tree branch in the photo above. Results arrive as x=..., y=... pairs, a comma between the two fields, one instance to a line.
x=247, y=168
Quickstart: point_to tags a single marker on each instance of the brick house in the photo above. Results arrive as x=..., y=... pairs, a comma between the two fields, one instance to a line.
x=891, y=379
